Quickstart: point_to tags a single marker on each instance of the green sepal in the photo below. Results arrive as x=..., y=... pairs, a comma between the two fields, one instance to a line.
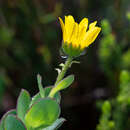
x=13, y=123
x=23, y=102
x=43, y=113
x=71, y=51
x=12, y=112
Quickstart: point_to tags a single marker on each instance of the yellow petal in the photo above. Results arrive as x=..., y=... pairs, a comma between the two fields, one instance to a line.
x=62, y=24
x=62, y=27
x=92, y=25
x=74, y=38
x=91, y=35
x=69, y=26
x=83, y=25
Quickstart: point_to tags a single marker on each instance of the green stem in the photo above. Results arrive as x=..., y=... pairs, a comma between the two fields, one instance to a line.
x=61, y=75
x=64, y=69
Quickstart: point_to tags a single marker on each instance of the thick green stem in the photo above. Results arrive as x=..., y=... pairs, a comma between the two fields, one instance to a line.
x=64, y=69
x=61, y=75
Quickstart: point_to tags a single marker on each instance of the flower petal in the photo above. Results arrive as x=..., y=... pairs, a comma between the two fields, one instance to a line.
x=62, y=27
x=92, y=25
x=74, y=38
x=83, y=25
x=62, y=24
x=69, y=26
x=91, y=35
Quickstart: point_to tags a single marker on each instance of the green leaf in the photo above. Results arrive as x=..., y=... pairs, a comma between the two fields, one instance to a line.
x=57, y=95
x=13, y=123
x=43, y=113
x=47, y=90
x=66, y=82
x=39, y=80
x=23, y=104
x=35, y=99
x=56, y=124
x=5, y=115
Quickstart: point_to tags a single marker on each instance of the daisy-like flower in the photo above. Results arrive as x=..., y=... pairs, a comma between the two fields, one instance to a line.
x=76, y=37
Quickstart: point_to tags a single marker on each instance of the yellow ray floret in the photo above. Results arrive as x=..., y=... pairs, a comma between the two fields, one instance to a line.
x=79, y=36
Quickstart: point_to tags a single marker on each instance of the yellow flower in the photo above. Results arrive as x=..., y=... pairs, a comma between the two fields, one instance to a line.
x=76, y=37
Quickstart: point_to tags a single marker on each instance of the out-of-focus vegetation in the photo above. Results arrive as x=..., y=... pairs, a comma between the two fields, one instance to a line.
x=30, y=38
x=114, y=58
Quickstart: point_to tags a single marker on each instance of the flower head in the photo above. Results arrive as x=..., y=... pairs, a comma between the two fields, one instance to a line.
x=76, y=37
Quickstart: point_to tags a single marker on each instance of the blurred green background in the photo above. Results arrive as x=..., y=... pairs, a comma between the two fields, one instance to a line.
x=30, y=38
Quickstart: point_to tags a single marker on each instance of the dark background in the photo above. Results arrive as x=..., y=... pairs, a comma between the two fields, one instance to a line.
x=30, y=39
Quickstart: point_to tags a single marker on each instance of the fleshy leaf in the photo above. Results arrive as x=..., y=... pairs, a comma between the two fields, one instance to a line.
x=35, y=99
x=47, y=90
x=66, y=82
x=57, y=95
x=13, y=123
x=23, y=102
x=41, y=89
x=43, y=113
x=56, y=124
x=12, y=112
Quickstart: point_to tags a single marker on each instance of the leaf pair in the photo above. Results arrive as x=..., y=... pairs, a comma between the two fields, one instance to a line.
x=38, y=113
x=41, y=113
